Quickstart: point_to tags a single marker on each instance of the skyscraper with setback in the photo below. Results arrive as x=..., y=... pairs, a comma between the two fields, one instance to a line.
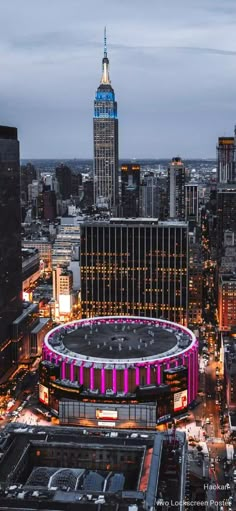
x=105, y=137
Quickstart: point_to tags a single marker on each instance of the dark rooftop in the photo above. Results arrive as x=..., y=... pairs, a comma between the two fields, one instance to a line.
x=8, y=132
x=123, y=340
x=102, y=473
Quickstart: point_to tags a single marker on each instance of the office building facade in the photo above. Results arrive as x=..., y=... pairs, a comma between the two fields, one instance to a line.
x=176, y=189
x=105, y=137
x=130, y=189
x=191, y=202
x=227, y=301
x=135, y=267
x=150, y=196
x=226, y=212
x=226, y=160
x=10, y=241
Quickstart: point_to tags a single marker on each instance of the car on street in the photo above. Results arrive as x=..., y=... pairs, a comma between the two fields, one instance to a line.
x=212, y=464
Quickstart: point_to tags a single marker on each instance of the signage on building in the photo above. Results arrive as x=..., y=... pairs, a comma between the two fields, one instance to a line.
x=43, y=394
x=106, y=424
x=180, y=400
x=107, y=415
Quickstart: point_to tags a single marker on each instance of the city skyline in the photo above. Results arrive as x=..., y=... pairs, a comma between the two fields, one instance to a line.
x=172, y=76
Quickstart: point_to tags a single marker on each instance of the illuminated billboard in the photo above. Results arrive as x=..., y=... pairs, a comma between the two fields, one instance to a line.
x=43, y=394
x=107, y=415
x=180, y=400
x=65, y=304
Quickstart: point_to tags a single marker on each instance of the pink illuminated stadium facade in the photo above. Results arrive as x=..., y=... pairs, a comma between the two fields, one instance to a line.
x=112, y=357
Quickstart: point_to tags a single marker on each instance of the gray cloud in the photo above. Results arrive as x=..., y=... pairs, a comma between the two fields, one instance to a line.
x=171, y=68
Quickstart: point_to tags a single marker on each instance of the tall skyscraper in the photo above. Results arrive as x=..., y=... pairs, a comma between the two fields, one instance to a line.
x=176, y=190
x=10, y=240
x=226, y=160
x=130, y=184
x=227, y=301
x=135, y=267
x=226, y=212
x=105, y=137
x=64, y=178
x=191, y=201
x=150, y=196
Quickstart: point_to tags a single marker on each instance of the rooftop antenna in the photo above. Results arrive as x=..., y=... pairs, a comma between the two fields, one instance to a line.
x=105, y=41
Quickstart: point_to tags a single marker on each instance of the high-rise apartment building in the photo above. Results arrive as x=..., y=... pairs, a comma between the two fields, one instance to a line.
x=176, y=189
x=226, y=211
x=27, y=175
x=227, y=301
x=226, y=189
x=10, y=241
x=64, y=178
x=226, y=160
x=191, y=201
x=130, y=188
x=195, y=294
x=150, y=196
x=135, y=267
x=105, y=137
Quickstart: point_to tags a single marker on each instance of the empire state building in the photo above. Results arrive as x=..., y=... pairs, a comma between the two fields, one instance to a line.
x=105, y=136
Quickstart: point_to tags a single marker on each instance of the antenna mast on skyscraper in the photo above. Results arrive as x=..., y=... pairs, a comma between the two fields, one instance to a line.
x=105, y=42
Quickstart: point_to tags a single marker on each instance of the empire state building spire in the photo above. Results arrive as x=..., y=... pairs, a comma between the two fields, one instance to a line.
x=105, y=141
x=105, y=63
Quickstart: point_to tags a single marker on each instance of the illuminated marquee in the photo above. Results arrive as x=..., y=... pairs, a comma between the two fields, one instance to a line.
x=107, y=415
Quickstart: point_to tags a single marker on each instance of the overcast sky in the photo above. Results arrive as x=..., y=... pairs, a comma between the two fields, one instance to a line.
x=172, y=66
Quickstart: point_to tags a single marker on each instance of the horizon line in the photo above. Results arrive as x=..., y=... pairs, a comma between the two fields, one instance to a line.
x=125, y=159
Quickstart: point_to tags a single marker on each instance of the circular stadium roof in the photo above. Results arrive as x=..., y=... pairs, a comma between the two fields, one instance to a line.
x=119, y=339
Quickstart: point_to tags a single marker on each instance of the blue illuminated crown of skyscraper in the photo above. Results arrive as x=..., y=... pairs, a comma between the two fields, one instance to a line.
x=105, y=105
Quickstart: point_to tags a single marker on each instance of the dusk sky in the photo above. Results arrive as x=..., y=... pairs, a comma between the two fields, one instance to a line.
x=172, y=66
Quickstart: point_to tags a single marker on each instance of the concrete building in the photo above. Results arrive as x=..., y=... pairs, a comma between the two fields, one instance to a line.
x=191, y=202
x=44, y=246
x=176, y=189
x=39, y=469
x=150, y=196
x=30, y=266
x=195, y=293
x=130, y=189
x=226, y=160
x=227, y=301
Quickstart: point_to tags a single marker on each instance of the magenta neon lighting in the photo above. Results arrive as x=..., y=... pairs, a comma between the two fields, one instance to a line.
x=103, y=382
x=92, y=378
x=81, y=375
x=126, y=380
x=114, y=383
x=63, y=370
x=72, y=372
